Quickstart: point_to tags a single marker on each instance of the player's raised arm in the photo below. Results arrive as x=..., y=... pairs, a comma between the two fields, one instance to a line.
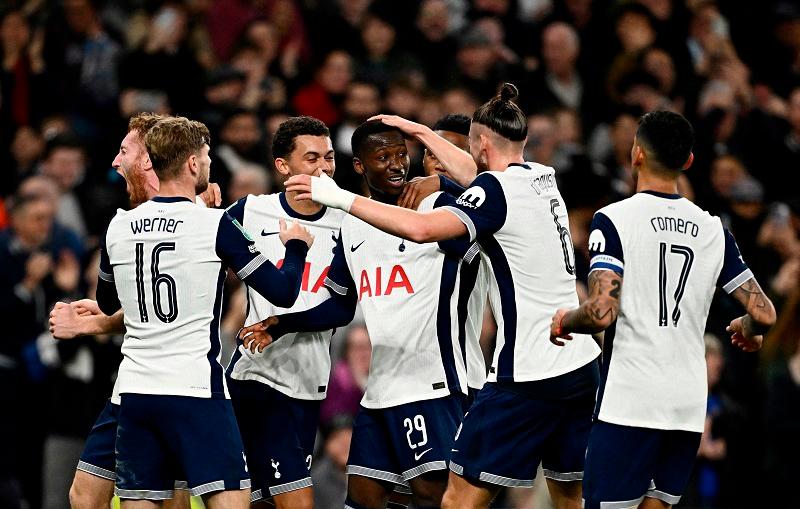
x=405, y=223
x=458, y=163
x=237, y=249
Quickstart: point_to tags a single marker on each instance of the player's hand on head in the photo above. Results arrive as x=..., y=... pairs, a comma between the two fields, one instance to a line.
x=416, y=190
x=407, y=126
x=255, y=337
x=212, y=196
x=556, y=329
x=64, y=321
x=295, y=231
x=740, y=339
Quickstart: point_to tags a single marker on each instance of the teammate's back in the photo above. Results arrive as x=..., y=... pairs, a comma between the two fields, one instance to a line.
x=673, y=254
x=531, y=256
x=169, y=280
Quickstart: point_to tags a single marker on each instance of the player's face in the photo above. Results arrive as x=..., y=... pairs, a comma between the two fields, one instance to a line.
x=385, y=164
x=432, y=165
x=203, y=170
x=130, y=164
x=312, y=155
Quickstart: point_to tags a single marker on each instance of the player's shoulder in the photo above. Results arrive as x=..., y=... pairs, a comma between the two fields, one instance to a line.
x=261, y=202
x=428, y=203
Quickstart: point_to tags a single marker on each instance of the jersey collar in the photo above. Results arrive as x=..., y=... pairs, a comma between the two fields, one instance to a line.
x=297, y=215
x=170, y=199
x=669, y=196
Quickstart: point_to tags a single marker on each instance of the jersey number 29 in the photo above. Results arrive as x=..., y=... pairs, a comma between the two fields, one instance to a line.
x=158, y=279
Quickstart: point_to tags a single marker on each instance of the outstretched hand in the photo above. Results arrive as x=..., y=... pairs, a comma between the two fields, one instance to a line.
x=255, y=337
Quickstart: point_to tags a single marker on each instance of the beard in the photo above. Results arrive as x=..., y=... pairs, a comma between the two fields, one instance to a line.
x=202, y=183
x=136, y=186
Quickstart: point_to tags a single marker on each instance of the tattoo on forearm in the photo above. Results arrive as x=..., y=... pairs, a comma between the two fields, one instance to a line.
x=759, y=309
x=600, y=308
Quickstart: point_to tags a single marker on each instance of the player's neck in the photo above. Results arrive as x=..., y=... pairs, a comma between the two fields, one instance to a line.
x=649, y=182
x=177, y=187
x=305, y=207
x=500, y=161
x=389, y=199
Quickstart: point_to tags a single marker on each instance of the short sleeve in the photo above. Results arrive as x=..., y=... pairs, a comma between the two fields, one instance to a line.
x=106, y=272
x=482, y=207
x=460, y=247
x=236, y=210
x=734, y=271
x=339, y=279
x=449, y=187
x=605, y=247
x=236, y=248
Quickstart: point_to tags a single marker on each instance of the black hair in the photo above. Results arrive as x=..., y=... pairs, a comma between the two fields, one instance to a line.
x=63, y=140
x=364, y=131
x=502, y=116
x=454, y=122
x=668, y=136
x=291, y=128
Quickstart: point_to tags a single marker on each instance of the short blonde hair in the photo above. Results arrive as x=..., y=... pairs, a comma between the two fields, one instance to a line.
x=171, y=141
x=143, y=122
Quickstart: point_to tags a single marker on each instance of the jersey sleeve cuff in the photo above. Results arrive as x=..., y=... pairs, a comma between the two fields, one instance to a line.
x=251, y=267
x=105, y=276
x=738, y=281
x=335, y=287
x=606, y=262
x=472, y=252
x=460, y=214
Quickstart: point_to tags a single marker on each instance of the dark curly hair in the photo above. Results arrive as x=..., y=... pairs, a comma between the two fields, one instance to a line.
x=283, y=141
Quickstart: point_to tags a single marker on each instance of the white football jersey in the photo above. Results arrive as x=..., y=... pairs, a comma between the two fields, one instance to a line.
x=672, y=256
x=296, y=364
x=409, y=296
x=164, y=258
x=473, y=323
x=519, y=219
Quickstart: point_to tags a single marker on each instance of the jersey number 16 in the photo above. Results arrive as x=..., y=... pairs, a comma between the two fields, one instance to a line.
x=158, y=279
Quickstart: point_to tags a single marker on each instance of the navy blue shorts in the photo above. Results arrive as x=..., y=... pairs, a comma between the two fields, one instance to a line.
x=399, y=443
x=624, y=464
x=98, y=452
x=160, y=438
x=506, y=434
x=278, y=434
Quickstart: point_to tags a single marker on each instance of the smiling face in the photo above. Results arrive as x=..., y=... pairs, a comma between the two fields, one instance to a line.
x=384, y=162
x=311, y=155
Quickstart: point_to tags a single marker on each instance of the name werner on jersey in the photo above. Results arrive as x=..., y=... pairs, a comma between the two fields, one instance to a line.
x=155, y=224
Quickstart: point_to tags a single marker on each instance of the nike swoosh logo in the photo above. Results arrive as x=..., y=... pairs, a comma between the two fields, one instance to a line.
x=265, y=233
x=353, y=248
x=418, y=456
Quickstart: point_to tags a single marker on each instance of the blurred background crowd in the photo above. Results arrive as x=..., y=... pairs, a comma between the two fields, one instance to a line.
x=73, y=71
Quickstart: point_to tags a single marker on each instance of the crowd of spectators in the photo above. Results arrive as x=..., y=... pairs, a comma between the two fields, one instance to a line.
x=73, y=71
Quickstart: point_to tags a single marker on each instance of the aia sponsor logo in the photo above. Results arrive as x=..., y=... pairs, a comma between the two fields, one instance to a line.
x=376, y=283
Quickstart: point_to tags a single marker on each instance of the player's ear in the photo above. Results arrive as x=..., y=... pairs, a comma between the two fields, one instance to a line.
x=689, y=161
x=358, y=166
x=282, y=166
x=192, y=162
x=638, y=155
x=148, y=164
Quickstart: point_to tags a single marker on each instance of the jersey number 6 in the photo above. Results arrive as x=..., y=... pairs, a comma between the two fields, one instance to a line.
x=158, y=279
x=566, y=240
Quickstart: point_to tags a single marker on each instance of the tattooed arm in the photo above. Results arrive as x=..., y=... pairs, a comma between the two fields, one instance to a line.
x=596, y=313
x=747, y=331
